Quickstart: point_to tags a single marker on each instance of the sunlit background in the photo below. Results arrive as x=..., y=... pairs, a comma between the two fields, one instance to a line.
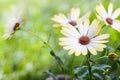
x=25, y=57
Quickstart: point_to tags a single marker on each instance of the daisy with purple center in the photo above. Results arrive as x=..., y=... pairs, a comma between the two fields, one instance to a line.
x=72, y=19
x=109, y=17
x=84, y=38
x=13, y=21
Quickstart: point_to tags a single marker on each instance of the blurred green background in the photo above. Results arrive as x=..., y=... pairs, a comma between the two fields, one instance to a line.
x=25, y=57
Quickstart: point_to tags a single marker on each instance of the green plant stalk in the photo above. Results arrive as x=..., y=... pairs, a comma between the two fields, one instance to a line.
x=62, y=68
x=89, y=66
x=46, y=44
x=101, y=58
x=37, y=37
x=72, y=62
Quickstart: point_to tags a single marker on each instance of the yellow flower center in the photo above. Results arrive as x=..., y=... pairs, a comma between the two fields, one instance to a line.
x=84, y=40
x=109, y=21
x=73, y=23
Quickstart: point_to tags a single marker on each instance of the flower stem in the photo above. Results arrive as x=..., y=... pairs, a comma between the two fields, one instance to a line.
x=89, y=66
x=101, y=58
x=37, y=37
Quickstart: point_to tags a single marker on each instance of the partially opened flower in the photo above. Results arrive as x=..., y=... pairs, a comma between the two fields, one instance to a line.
x=72, y=19
x=13, y=20
x=109, y=17
x=79, y=41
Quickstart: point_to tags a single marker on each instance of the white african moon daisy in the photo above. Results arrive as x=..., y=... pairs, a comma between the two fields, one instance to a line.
x=13, y=20
x=79, y=41
x=109, y=17
x=73, y=18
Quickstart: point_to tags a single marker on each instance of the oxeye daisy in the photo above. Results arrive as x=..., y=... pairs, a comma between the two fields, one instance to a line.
x=13, y=21
x=84, y=38
x=72, y=19
x=109, y=17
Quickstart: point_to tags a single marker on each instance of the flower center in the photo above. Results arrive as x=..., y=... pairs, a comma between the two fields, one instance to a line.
x=73, y=23
x=16, y=26
x=109, y=21
x=84, y=40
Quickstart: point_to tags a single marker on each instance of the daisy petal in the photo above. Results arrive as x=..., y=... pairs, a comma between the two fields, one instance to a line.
x=86, y=16
x=86, y=26
x=103, y=41
x=101, y=37
x=116, y=25
x=99, y=17
x=92, y=50
x=101, y=10
x=98, y=47
x=78, y=50
x=74, y=14
x=94, y=28
x=70, y=30
x=84, y=50
x=110, y=9
x=71, y=52
x=60, y=18
x=116, y=14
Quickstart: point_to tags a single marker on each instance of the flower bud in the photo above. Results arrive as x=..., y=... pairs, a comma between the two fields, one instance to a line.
x=113, y=56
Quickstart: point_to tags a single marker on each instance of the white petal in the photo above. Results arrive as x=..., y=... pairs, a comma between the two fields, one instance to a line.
x=116, y=13
x=116, y=25
x=67, y=43
x=60, y=18
x=86, y=16
x=99, y=17
x=70, y=31
x=84, y=50
x=7, y=36
x=101, y=37
x=74, y=14
x=68, y=47
x=102, y=41
x=101, y=10
x=110, y=9
x=86, y=26
x=81, y=28
x=98, y=47
x=94, y=28
x=71, y=51
x=92, y=50
x=78, y=50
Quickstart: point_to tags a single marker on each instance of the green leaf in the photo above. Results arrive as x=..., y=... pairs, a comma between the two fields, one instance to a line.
x=78, y=69
x=50, y=74
x=118, y=60
x=101, y=67
x=81, y=72
x=98, y=76
x=52, y=53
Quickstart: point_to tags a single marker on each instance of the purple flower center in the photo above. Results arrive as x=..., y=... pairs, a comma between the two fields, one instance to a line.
x=84, y=40
x=109, y=21
x=17, y=24
x=73, y=23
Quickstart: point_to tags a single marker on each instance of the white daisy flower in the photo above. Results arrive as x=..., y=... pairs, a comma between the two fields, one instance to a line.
x=73, y=18
x=79, y=41
x=13, y=20
x=109, y=17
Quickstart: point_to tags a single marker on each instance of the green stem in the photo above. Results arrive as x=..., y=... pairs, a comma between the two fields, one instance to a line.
x=37, y=37
x=103, y=26
x=89, y=66
x=46, y=44
x=101, y=58
x=118, y=68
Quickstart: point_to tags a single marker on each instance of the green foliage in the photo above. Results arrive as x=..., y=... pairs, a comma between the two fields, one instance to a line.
x=98, y=72
x=25, y=57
